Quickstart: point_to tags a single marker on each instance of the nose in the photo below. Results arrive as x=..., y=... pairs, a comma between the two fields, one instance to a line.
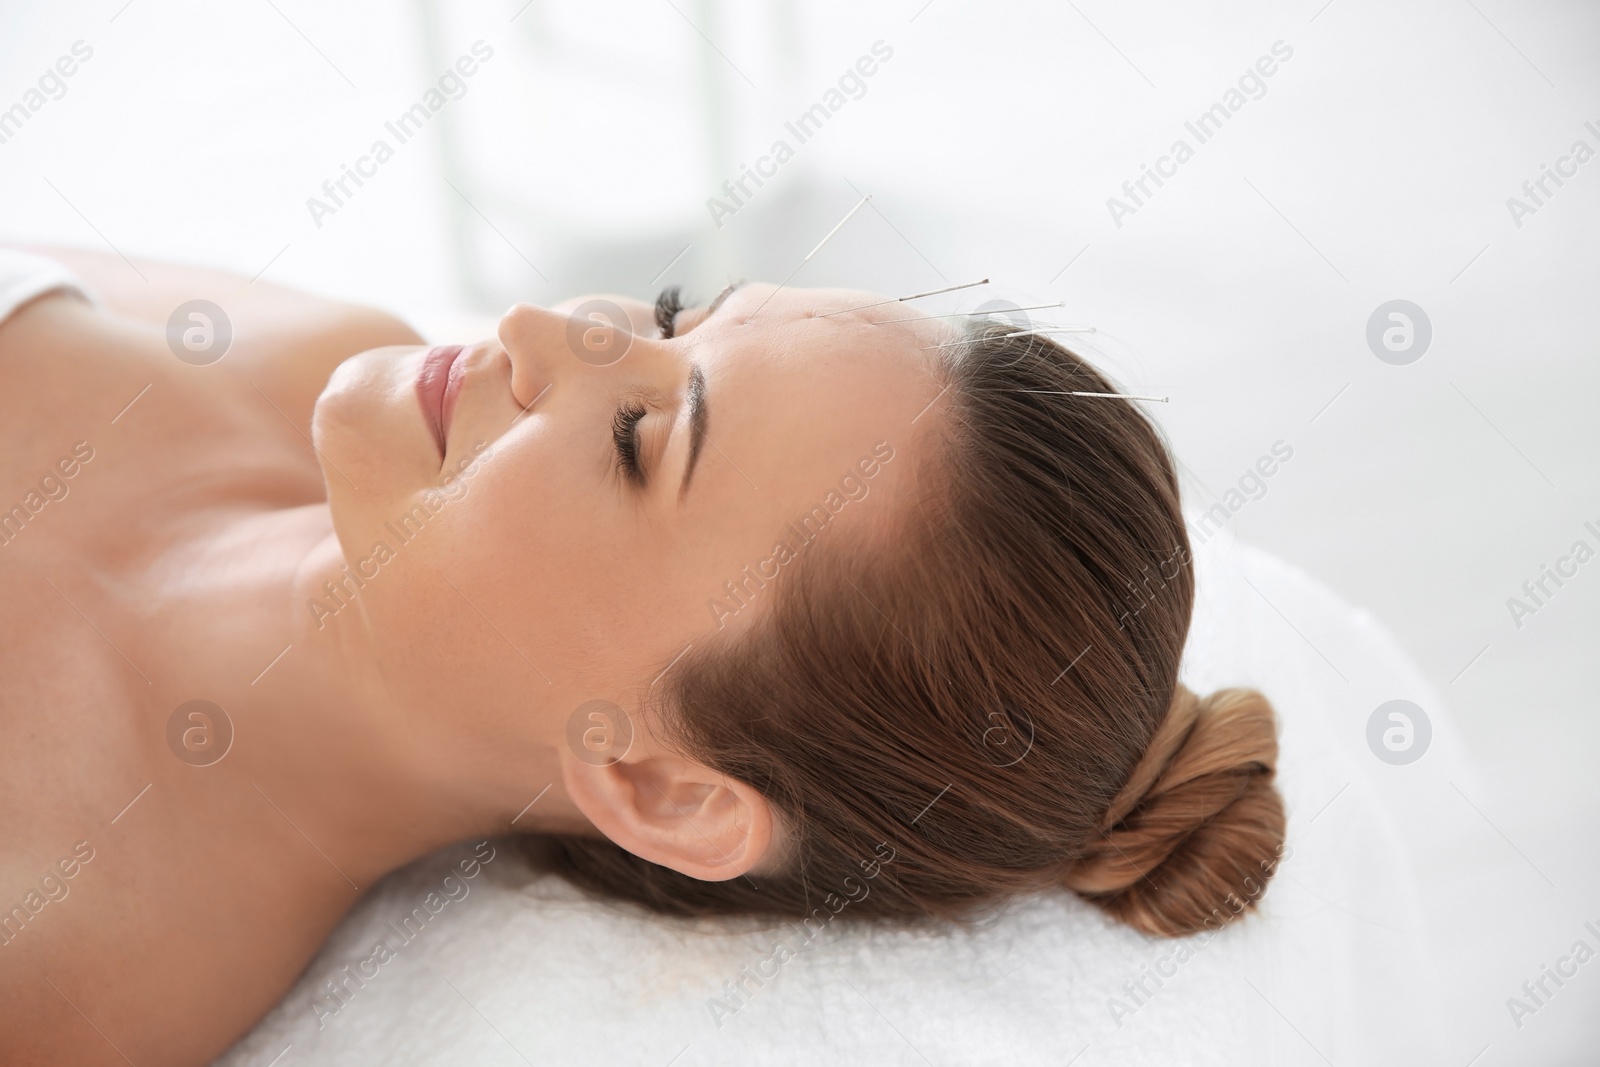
x=546, y=344
x=532, y=337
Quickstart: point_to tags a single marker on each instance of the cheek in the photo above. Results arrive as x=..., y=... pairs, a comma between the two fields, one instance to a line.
x=466, y=611
x=536, y=503
x=540, y=545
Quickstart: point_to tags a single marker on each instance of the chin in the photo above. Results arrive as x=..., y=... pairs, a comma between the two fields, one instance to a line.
x=369, y=434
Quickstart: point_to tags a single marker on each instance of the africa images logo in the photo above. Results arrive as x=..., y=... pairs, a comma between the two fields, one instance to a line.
x=854, y=485
x=452, y=85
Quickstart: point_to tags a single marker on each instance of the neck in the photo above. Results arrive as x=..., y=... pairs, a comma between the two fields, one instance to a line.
x=371, y=779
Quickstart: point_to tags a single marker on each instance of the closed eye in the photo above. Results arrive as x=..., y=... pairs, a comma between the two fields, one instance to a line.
x=625, y=437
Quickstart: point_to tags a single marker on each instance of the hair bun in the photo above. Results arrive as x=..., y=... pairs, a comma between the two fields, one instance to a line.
x=1194, y=835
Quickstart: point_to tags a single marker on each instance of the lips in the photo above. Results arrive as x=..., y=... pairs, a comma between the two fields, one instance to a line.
x=438, y=385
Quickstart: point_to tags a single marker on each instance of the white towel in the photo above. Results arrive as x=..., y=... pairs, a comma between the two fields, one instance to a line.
x=1332, y=968
x=25, y=277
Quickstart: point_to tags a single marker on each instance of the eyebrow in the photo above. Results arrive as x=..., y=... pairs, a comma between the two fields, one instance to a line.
x=698, y=416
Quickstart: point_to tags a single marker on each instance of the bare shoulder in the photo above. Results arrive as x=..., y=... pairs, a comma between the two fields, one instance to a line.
x=282, y=342
x=151, y=290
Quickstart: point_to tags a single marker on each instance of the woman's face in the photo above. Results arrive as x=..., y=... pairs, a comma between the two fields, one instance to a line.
x=606, y=499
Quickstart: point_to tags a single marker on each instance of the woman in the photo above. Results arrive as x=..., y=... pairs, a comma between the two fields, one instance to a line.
x=725, y=607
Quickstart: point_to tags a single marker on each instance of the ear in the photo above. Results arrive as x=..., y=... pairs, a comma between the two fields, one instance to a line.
x=674, y=812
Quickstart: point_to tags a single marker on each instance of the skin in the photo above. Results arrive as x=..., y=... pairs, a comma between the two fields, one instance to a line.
x=434, y=703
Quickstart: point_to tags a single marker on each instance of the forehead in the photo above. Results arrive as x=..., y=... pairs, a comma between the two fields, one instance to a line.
x=824, y=349
x=804, y=383
x=846, y=318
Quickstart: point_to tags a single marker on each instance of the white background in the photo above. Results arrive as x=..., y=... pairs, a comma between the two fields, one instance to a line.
x=1376, y=166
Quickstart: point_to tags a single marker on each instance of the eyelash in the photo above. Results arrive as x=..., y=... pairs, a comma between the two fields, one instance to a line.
x=625, y=435
x=668, y=304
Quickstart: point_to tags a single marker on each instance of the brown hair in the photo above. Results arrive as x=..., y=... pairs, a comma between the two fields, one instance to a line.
x=984, y=700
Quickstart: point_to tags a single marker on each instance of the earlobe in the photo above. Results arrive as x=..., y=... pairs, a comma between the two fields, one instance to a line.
x=674, y=812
